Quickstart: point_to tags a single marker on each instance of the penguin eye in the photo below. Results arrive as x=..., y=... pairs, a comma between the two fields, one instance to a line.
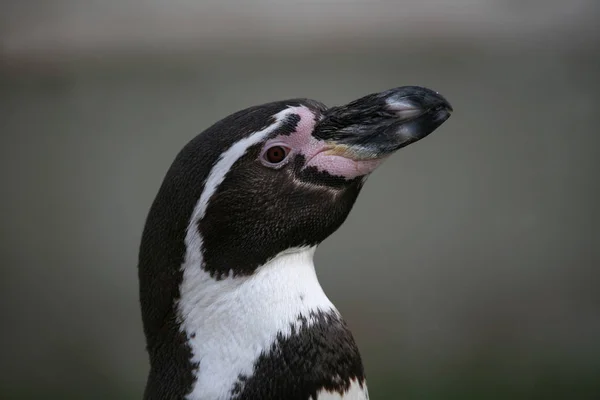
x=276, y=154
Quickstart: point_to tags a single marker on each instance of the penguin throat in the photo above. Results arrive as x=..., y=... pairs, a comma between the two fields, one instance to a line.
x=230, y=322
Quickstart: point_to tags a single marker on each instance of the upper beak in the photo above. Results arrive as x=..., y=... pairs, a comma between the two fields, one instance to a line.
x=376, y=125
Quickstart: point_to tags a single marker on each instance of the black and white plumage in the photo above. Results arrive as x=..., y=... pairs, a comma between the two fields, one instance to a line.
x=231, y=304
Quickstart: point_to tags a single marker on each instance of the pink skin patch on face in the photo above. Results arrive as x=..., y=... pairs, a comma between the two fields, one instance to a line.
x=319, y=153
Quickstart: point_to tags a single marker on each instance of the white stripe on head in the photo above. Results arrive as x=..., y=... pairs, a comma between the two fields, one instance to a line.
x=228, y=158
x=193, y=240
x=231, y=321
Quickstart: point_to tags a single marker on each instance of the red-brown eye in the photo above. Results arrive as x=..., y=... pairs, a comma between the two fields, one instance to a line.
x=276, y=154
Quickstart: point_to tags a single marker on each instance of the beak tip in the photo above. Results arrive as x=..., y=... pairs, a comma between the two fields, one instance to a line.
x=447, y=106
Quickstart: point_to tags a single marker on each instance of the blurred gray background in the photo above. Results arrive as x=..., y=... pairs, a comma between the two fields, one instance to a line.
x=467, y=269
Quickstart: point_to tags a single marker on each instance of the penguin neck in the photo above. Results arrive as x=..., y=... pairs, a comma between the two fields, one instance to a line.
x=279, y=291
x=230, y=322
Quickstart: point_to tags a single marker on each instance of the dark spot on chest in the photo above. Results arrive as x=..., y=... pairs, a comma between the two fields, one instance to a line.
x=320, y=354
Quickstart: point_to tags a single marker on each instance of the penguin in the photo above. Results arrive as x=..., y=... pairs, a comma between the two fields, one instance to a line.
x=231, y=305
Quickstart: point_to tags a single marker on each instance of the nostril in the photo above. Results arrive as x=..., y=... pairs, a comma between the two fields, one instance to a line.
x=403, y=108
x=409, y=113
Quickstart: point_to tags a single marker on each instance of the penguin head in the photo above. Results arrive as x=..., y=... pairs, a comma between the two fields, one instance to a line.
x=285, y=175
x=270, y=179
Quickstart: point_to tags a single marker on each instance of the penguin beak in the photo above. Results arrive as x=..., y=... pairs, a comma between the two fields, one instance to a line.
x=377, y=125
